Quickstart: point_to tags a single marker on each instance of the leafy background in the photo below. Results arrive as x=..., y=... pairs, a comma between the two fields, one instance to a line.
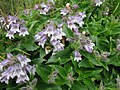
x=60, y=71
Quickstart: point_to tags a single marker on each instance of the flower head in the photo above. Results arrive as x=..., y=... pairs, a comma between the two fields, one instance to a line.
x=15, y=66
x=98, y=2
x=10, y=34
x=77, y=56
x=23, y=31
x=64, y=11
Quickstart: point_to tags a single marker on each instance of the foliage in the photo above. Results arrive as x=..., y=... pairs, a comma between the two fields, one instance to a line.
x=84, y=55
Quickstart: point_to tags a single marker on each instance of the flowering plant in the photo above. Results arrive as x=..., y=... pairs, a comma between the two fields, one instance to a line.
x=61, y=45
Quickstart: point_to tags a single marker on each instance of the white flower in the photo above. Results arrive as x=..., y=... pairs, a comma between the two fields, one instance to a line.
x=41, y=38
x=77, y=56
x=22, y=78
x=57, y=45
x=23, y=31
x=10, y=34
x=64, y=11
x=15, y=28
x=4, y=63
x=18, y=70
x=57, y=34
x=98, y=2
x=71, y=24
x=23, y=60
x=89, y=47
x=49, y=30
x=30, y=69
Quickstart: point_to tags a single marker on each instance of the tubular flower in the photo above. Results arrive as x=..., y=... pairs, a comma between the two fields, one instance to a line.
x=77, y=56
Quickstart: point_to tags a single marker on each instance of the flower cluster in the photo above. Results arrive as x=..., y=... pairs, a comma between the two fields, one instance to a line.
x=74, y=21
x=13, y=25
x=84, y=43
x=15, y=66
x=44, y=8
x=54, y=32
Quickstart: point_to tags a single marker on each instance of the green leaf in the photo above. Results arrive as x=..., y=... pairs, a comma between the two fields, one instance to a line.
x=31, y=46
x=104, y=64
x=90, y=57
x=89, y=83
x=91, y=72
x=78, y=86
x=43, y=86
x=114, y=60
x=60, y=70
x=10, y=49
x=115, y=31
x=68, y=32
x=2, y=47
x=85, y=63
x=65, y=54
x=43, y=73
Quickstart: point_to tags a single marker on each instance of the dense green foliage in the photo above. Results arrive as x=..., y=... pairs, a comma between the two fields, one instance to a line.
x=99, y=69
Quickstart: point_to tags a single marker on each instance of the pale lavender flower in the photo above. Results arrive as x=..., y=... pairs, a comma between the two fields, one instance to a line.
x=43, y=5
x=76, y=31
x=22, y=79
x=23, y=60
x=10, y=34
x=64, y=11
x=77, y=56
x=18, y=70
x=23, y=31
x=98, y=2
x=89, y=47
x=75, y=6
x=4, y=79
x=30, y=69
x=79, y=20
x=36, y=7
x=12, y=19
x=60, y=25
x=45, y=8
x=4, y=63
x=57, y=34
x=39, y=35
x=81, y=14
x=71, y=24
x=49, y=30
x=15, y=28
x=57, y=45
x=42, y=12
x=41, y=38
x=8, y=73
